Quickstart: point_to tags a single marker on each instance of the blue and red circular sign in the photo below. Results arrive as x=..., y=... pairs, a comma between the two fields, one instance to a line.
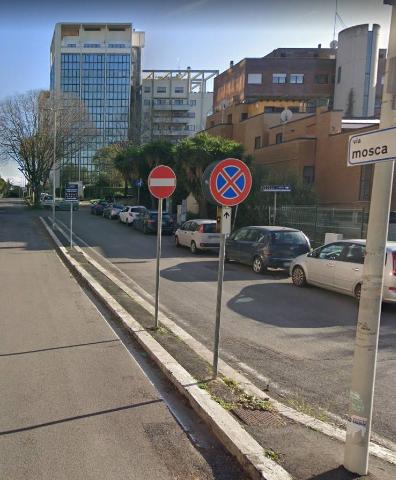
x=230, y=182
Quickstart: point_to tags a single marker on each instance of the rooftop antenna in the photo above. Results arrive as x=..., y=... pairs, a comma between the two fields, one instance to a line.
x=335, y=18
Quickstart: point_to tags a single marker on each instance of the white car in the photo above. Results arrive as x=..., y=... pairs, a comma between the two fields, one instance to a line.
x=338, y=266
x=198, y=235
x=129, y=214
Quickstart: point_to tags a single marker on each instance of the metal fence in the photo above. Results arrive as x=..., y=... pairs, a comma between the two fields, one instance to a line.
x=315, y=222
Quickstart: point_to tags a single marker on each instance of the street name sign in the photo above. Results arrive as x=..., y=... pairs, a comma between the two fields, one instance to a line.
x=162, y=182
x=71, y=192
x=275, y=188
x=230, y=182
x=372, y=147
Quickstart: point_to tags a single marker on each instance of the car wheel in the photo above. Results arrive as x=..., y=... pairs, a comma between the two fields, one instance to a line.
x=298, y=277
x=258, y=265
x=177, y=243
x=193, y=248
x=358, y=291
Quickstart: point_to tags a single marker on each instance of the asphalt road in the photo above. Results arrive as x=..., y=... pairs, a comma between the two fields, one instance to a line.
x=75, y=402
x=300, y=339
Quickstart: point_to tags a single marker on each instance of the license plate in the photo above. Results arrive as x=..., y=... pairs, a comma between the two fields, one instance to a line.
x=213, y=237
x=286, y=264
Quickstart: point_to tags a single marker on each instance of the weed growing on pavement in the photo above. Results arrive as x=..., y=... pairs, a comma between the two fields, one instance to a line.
x=223, y=403
x=203, y=386
x=251, y=402
x=269, y=453
x=302, y=406
x=232, y=384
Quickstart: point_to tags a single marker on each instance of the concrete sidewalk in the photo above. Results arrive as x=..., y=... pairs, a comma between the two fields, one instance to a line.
x=74, y=404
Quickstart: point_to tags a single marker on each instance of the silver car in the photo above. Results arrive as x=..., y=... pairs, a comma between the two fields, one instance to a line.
x=198, y=235
x=338, y=266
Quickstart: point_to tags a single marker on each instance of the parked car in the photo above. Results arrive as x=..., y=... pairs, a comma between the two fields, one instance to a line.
x=97, y=208
x=112, y=210
x=129, y=214
x=338, y=266
x=266, y=247
x=198, y=235
x=147, y=222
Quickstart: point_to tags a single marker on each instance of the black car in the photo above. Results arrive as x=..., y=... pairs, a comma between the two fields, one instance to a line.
x=263, y=247
x=147, y=222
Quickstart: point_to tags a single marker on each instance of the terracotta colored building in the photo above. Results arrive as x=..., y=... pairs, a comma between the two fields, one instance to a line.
x=313, y=147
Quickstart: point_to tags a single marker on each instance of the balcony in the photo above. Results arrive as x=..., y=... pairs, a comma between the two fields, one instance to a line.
x=171, y=133
x=171, y=120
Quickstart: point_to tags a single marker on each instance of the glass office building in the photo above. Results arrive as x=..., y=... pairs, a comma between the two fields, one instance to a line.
x=100, y=64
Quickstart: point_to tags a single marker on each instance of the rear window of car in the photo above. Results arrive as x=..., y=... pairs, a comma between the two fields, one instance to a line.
x=288, y=238
x=209, y=227
x=118, y=206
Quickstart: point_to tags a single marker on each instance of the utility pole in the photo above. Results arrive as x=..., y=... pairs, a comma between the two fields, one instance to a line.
x=366, y=344
x=54, y=172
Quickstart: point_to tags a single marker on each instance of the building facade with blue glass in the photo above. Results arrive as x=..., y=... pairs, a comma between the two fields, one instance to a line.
x=101, y=65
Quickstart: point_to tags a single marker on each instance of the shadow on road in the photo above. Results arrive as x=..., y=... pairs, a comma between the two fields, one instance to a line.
x=339, y=474
x=207, y=270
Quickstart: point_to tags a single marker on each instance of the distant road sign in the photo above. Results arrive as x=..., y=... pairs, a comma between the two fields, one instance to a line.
x=275, y=188
x=230, y=182
x=139, y=182
x=162, y=182
x=71, y=192
x=372, y=147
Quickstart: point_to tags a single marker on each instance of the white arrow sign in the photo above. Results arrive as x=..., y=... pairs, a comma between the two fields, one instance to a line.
x=371, y=147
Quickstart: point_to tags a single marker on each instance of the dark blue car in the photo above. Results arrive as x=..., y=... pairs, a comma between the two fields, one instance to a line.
x=147, y=222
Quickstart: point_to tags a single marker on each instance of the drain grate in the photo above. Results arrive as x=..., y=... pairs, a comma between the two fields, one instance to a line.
x=260, y=418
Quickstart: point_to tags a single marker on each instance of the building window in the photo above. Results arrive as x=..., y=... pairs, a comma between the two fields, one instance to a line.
x=279, y=78
x=296, y=78
x=257, y=143
x=308, y=175
x=193, y=103
x=161, y=89
x=278, y=138
x=255, y=78
x=244, y=116
x=339, y=75
x=146, y=101
x=322, y=78
x=147, y=89
x=92, y=45
x=366, y=177
x=229, y=118
x=179, y=89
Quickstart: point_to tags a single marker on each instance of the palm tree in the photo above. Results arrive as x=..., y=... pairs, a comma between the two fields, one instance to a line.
x=127, y=162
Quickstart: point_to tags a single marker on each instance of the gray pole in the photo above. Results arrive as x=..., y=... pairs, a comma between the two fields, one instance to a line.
x=157, y=269
x=54, y=176
x=138, y=199
x=71, y=224
x=220, y=278
x=274, y=208
x=366, y=344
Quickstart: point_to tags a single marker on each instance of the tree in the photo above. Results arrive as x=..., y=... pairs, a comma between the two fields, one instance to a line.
x=126, y=163
x=194, y=154
x=28, y=136
x=104, y=164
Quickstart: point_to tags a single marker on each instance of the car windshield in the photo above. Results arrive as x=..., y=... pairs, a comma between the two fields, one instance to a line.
x=209, y=227
x=155, y=215
x=288, y=238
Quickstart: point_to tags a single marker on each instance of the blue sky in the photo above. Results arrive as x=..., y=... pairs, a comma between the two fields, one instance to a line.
x=197, y=33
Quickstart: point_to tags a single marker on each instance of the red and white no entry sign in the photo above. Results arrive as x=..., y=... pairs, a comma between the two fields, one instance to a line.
x=162, y=182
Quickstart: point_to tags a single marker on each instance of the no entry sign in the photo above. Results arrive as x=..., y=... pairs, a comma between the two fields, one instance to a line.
x=162, y=182
x=230, y=182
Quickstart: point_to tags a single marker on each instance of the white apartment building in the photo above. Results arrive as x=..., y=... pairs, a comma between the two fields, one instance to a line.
x=175, y=103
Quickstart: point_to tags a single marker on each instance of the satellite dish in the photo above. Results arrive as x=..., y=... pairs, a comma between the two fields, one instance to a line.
x=286, y=115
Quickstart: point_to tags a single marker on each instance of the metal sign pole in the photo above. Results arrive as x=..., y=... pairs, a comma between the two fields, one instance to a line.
x=54, y=177
x=356, y=455
x=71, y=224
x=157, y=269
x=220, y=279
x=274, y=208
x=138, y=194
